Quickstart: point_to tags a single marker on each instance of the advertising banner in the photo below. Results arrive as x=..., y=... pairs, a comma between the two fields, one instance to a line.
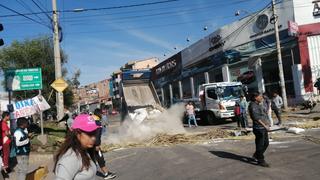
x=30, y=106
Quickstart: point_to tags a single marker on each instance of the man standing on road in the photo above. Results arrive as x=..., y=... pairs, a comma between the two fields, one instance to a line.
x=260, y=128
x=276, y=106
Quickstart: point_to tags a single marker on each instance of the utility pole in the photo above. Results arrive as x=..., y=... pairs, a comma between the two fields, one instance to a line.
x=57, y=59
x=280, y=66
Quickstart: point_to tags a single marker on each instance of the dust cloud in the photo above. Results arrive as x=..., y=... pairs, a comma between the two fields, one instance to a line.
x=169, y=122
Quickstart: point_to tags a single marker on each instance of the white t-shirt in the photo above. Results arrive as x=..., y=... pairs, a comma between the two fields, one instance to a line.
x=18, y=135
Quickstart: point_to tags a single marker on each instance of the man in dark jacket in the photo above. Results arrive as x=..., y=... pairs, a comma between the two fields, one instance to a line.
x=260, y=127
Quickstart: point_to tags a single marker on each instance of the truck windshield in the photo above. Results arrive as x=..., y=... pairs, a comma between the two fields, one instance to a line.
x=230, y=92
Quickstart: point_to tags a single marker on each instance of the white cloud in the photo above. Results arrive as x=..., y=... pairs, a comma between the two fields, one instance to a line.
x=144, y=36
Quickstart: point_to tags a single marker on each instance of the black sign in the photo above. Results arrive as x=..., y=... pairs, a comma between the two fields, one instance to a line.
x=316, y=8
x=170, y=66
x=216, y=42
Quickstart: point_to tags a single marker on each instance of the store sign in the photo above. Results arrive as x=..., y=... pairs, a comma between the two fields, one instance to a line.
x=168, y=66
x=264, y=32
x=293, y=28
x=262, y=21
x=316, y=8
x=216, y=42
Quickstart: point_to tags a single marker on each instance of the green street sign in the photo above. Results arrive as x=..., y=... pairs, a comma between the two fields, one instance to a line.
x=23, y=79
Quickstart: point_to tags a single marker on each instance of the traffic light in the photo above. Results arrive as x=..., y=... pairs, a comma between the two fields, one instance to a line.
x=1, y=40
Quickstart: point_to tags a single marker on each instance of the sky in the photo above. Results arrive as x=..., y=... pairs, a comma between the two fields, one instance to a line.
x=100, y=41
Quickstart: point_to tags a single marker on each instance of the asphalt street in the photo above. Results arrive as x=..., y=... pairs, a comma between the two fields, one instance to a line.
x=294, y=157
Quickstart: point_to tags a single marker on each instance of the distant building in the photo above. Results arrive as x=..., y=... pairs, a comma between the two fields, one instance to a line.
x=140, y=64
x=92, y=96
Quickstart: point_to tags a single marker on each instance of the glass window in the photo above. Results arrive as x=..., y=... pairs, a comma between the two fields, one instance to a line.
x=230, y=92
x=186, y=88
x=211, y=93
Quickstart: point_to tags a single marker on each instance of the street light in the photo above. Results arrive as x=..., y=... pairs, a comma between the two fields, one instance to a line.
x=205, y=28
x=238, y=12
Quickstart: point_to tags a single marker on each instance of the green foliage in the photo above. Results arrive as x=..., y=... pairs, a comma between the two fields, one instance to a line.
x=30, y=54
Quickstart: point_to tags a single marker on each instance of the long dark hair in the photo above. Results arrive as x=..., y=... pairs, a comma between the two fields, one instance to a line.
x=72, y=142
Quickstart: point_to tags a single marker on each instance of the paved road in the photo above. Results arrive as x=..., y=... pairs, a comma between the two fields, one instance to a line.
x=290, y=158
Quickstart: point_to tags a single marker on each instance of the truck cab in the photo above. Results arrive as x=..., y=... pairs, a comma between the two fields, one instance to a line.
x=217, y=100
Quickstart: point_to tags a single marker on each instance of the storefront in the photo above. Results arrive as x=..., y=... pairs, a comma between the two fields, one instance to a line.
x=246, y=51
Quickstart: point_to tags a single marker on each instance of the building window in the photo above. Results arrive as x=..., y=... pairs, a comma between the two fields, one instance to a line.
x=186, y=88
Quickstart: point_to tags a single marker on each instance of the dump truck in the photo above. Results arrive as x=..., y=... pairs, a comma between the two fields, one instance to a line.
x=139, y=99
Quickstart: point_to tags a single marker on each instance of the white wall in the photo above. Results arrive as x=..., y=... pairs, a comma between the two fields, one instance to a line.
x=303, y=10
x=314, y=54
x=242, y=33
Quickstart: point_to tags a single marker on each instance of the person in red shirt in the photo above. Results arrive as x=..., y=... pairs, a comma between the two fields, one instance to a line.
x=237, y=114
x=5, y=139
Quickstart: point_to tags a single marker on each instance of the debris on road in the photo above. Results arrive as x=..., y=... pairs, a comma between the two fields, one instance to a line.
x=295, y=130
x=306, y=125
x=163, y=139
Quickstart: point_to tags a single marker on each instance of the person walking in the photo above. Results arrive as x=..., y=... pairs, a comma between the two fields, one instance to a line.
x=98, y=153
x=276, y=106
x=6, y=140
x=191, y=114
x=267, y=107
x=243, y=110
x=104, y=121
x=76, y=157
x=68, y=119
x=237, y=115
x=260, y=128
x=22, y=146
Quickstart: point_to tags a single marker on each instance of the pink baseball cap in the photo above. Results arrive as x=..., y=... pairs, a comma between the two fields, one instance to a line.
x=85, y=123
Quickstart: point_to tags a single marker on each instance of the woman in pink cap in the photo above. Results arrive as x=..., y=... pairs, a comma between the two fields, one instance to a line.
x=75, y=158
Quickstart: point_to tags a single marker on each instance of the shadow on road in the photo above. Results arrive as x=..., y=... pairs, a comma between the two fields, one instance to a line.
x=229, y=155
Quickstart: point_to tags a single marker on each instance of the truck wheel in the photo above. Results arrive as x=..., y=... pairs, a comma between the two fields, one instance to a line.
x=210, y=118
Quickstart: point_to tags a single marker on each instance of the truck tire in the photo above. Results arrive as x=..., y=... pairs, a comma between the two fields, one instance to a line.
x=208, y=118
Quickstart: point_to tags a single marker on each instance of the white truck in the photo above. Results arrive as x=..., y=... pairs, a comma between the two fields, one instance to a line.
x=217, y=100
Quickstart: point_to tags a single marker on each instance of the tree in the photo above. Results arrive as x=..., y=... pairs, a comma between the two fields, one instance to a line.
x=30, y=54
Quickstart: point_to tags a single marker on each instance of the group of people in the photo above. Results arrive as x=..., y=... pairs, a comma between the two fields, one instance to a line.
x=275, y=104
x=15, y=147
x=77, y=158
x=81, y=150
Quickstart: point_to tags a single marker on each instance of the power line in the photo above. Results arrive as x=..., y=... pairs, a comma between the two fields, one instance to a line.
x=95, y=9
x=150, y=26
x=123, y=6
x=166, y=8
x=42, y=11
x=25, y=6
x=149, y=16
x=5, y=7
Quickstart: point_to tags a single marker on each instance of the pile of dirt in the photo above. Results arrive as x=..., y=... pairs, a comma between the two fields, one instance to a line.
x=308, y=125
x=163, y=139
